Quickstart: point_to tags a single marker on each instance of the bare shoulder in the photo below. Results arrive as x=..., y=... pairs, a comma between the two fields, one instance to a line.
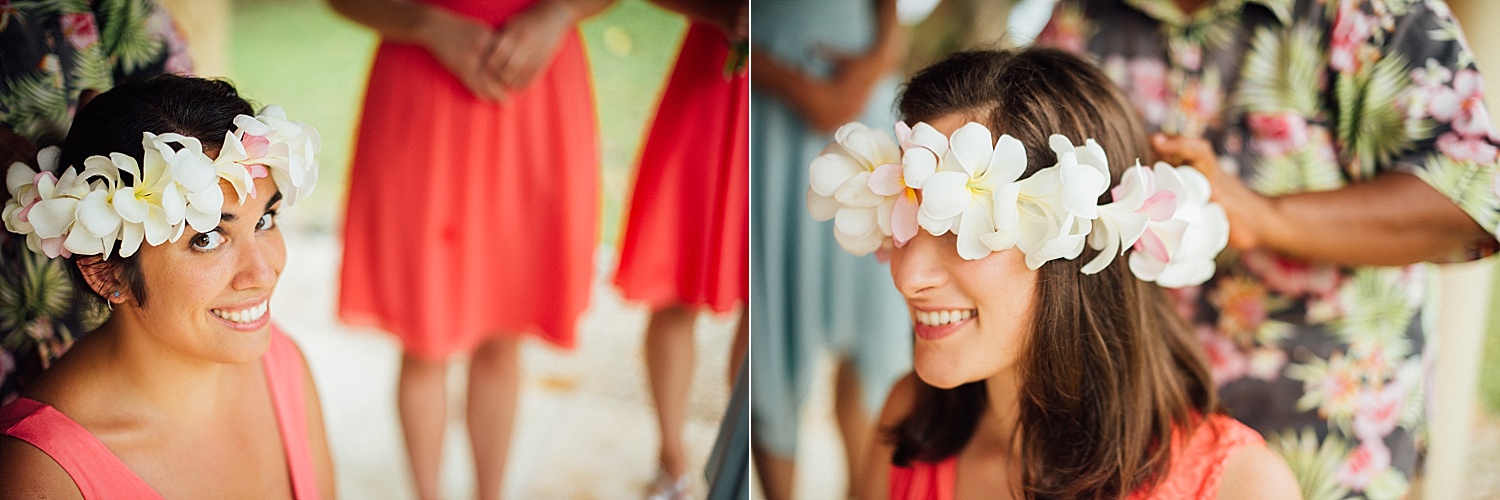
x=31, y=473
x=1254, y=472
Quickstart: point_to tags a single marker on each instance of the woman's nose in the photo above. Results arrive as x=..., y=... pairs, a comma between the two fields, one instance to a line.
x=258, y=267
x=917, y=268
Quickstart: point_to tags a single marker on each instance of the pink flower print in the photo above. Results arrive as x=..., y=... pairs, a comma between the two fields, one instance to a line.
x=1291, y=276
x=1461, y=149
x=1226, y=361
x=1377, y=411
x=1187, y=55
x=1148, y=88
x=1266, y=362
x=1241, y=303
x=1065, y=31
x=1185, y=299
x=79, y=29
x=1277, y=134
x=1366, y=461
x=1350, y=30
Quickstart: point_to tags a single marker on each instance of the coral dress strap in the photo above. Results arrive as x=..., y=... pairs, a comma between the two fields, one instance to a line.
x=98, y=473
x=288, y=395
x=925, y=480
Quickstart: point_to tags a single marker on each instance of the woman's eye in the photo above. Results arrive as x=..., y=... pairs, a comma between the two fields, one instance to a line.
x=267, y=221
x=207, y=241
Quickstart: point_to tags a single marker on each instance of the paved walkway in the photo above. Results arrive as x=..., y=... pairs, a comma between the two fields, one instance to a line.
x=585, y=428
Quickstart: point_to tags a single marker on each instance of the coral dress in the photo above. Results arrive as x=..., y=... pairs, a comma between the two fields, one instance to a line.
x=470, y=219
x=1196, y=470
x=687, y=239
x=101, y=475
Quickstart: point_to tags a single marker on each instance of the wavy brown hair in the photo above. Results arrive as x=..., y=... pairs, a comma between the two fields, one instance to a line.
x=1110, y=368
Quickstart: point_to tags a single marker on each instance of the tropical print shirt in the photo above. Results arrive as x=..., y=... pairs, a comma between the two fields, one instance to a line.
x=1329, y=362
x=50, y=52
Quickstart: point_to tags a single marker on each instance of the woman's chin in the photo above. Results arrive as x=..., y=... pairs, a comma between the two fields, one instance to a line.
x=939, y=375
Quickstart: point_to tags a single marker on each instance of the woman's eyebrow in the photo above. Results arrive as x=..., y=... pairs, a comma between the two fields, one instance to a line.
x=229, y=217
x=274, y=198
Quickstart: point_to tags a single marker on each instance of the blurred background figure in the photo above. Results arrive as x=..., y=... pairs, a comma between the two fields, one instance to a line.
x=473, y=205
x=1301, y=114
x=816, y=65
x=686, y=243
x=55, y=57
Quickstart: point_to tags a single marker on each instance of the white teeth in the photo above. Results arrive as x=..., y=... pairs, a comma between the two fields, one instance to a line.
x=244, y=315
x=939, y=318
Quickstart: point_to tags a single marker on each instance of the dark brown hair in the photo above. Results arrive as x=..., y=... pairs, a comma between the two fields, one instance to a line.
x=1110, y=369
x=113, y=123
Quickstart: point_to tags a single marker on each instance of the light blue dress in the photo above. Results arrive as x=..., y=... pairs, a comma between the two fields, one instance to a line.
x=806, y=294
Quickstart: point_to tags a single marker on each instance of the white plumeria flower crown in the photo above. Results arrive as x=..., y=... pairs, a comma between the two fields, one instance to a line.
x=868, y=183
x=85, y=212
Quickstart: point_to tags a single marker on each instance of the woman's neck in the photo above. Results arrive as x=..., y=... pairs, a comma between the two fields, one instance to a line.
x=161, y=377
x=997, y=429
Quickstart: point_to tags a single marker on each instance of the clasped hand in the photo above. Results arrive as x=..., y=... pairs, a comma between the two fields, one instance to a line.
x=492, y=63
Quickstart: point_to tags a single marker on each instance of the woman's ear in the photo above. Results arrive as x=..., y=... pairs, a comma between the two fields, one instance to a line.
x=103, y=278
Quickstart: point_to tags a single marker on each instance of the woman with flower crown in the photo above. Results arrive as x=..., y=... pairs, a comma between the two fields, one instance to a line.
x=163, y=201
x=473, y=206
x=1048, y=361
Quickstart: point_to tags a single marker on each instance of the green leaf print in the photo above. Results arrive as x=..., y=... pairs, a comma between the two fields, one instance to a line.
x=126, y=34
x=36, y=106
x=92, y=70
x=1281, y=71
x=1470, y=185
x=1370, y=126
x=1314, y=464
x=41, y=290
x=1302, y=170
x=1376, y=314
x=47, y=8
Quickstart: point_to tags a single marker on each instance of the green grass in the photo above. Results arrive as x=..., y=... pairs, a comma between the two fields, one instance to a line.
x=303, y=56
x=1489, y=365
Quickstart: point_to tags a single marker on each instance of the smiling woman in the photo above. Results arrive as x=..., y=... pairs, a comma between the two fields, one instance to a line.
x=163, y=200
x=1049, y=362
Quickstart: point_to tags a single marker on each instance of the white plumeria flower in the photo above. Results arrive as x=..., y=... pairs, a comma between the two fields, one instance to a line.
x=1055, y=206
x=176, y=186
x=1122, y=221
x=1180, y=251
x=924, y=150
x=840, y=186
x=290, y=154
x=974, y=179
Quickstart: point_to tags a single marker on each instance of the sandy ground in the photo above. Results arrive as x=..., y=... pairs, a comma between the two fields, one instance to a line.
x=585, y=429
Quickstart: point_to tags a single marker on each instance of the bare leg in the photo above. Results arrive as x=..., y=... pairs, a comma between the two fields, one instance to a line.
x=776, y=473
x=740, y=346
x=854, y=420
x=494, y=380
x=669, y=365
x=422, y=401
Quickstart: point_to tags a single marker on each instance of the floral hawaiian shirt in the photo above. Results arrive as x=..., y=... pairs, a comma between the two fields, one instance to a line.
x=50, y=52
x=1329, y=362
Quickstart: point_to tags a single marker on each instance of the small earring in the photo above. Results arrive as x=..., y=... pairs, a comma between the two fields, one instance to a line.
x=117, y=295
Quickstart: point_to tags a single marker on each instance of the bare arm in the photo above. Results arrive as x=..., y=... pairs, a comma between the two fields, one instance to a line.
x=1393, y=219
x=30, y=473
x=732, y=18
x=828, y=103
x=457, y=42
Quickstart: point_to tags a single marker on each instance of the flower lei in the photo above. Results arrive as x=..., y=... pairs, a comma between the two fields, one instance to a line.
x=868, y=184
x=175, y=186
